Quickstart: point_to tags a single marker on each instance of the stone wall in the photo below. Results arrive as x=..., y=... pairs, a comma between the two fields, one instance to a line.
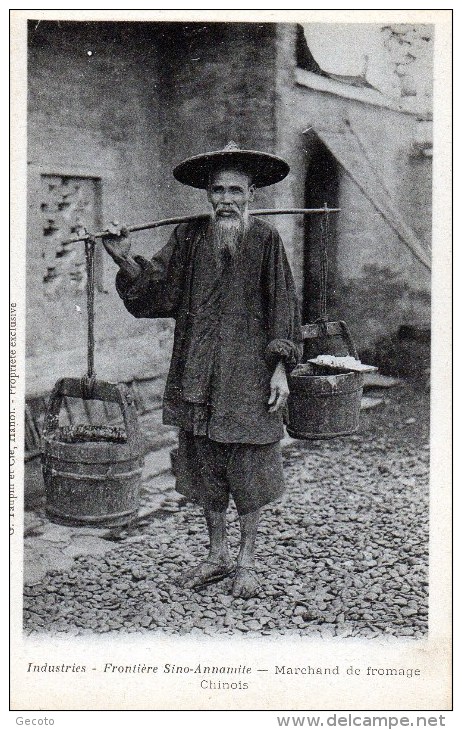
x=216, y=85
x=112, y=108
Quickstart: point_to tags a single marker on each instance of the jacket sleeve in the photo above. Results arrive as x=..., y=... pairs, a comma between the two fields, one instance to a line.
x=156, y=291
x=283, y=314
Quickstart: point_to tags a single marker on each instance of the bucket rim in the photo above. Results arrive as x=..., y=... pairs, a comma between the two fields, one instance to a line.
x=343, y=375
x=107, y=451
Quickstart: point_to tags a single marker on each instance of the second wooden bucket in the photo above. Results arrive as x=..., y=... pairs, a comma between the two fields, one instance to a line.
x=325, y=404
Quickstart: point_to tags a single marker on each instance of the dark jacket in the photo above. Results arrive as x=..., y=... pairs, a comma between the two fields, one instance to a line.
x=232, y=327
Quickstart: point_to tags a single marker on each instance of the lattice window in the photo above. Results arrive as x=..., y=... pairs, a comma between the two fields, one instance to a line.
x=67, y=205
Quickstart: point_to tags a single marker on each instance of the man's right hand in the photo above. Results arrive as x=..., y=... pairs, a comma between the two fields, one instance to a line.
x=117, y=243
x=118, y=247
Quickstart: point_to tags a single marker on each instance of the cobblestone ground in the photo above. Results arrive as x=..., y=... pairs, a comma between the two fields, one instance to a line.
x=343, y=554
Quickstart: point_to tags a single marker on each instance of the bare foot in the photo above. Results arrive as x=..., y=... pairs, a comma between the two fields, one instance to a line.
x=246, y=583
x=208, y=571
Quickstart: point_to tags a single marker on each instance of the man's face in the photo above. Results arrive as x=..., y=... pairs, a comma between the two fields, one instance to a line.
x=229, y=193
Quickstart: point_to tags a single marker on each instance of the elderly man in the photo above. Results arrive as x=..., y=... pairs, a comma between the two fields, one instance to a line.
x=227, y=283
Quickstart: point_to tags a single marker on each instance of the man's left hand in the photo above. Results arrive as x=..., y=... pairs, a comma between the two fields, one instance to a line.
x=279, y=389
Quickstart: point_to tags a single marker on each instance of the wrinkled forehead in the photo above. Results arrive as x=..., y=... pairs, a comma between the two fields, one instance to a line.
x=230, y=176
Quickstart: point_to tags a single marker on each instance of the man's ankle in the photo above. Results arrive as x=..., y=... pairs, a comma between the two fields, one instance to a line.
x=246, y=562
x=219, y=557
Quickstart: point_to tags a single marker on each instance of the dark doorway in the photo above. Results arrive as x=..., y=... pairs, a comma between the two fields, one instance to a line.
x=321, y=186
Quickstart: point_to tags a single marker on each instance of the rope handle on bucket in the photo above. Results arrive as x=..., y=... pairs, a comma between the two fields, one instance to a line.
x=88, y=387
x=328, y=328
x=325, y=234
x=88, y=380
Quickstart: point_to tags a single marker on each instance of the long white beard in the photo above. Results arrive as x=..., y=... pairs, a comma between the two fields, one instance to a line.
x=227, y=235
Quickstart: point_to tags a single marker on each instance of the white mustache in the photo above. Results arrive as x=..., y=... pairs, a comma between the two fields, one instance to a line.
x=240, y=218
x=228, y=209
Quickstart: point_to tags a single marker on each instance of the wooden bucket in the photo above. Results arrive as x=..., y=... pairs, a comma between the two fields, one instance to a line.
x=95, y=482
x=325, y=405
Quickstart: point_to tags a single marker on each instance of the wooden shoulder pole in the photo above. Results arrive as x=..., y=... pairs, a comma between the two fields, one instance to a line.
x=189, y=218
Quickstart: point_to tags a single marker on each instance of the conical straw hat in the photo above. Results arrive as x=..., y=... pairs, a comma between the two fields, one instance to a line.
x=263, y=168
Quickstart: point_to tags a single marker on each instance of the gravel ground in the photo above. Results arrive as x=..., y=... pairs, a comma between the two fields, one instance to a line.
x=343, y=554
